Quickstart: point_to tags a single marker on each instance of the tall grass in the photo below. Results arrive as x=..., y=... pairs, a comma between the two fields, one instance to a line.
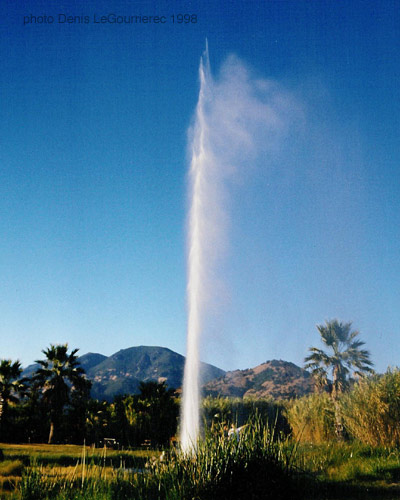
x=254, y=466
x=371, y=411
x=312, y=418
x=218, y=410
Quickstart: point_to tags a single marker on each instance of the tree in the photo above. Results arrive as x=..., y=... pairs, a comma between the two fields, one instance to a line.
x=344, y=357
x=156, y=412
x=78, y=408
x=11, y=385
x=58, y=375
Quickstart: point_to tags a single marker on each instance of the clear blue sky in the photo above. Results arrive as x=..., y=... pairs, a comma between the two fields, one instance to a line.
x=93, y=163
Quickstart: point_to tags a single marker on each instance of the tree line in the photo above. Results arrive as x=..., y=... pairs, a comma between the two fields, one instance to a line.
x=54, y=405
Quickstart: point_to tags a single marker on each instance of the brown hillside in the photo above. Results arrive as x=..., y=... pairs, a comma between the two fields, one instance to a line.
x=278, y=379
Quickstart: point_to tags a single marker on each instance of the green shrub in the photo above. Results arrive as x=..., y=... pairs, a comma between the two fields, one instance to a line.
x=224, y=410
x=371, y=411
x=11, y=468
x=312, y=418
x=253, y=466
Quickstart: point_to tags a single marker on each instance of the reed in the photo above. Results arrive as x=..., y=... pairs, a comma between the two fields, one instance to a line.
x=255, y=465
x=312, y=418
x=371, y=411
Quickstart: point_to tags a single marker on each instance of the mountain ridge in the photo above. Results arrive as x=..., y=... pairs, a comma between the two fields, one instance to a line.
x=122, y=372
x=275, y=378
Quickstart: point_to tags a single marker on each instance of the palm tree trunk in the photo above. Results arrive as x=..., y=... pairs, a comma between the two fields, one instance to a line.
x=339, y=431
x=3, y=419
x=51, y=433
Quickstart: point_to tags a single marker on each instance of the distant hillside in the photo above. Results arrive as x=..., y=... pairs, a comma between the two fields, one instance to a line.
x=277, y=379
x=122, y=372
x=87, y=361
x=90, y=360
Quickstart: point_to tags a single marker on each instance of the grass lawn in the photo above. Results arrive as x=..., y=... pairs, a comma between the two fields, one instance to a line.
x=330, y=471
x=351, y=469
x=64, y=461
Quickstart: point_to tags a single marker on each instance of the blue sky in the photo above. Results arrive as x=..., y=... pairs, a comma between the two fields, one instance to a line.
x=93, y=170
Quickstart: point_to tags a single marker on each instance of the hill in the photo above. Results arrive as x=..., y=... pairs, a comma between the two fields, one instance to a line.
x=90, y=360
x=278, y=379
x=122, y=372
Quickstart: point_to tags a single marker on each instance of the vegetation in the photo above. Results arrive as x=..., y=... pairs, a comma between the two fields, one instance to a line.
x=59, y=374
x=284, y=449
x=150, y=416
x=258, y=465
x=344, y=355
x=312, y=419
x=371, y=412
x=54, y=405
x=253, y=466
x=221, y=411
x=10, y=388
x=350, y=470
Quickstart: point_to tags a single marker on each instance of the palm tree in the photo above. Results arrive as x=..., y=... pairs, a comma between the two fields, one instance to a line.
x=58, y=374
x=158, y=411
x=11, y=385
x=345, y=356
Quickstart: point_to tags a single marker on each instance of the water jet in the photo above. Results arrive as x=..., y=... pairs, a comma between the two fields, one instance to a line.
x=237, y=116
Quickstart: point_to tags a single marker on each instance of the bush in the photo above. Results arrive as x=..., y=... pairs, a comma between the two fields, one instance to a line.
x=11, y=468
x=371, y=411
x=220, y=410
x=312, y=418
x=254, y=466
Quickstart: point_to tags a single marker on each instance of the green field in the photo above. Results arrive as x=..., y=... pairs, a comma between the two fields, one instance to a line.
x=336, y=471
x=68, y=463
x=350, y=470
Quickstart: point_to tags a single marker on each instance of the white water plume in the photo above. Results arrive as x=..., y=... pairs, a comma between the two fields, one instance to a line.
x=237, y=117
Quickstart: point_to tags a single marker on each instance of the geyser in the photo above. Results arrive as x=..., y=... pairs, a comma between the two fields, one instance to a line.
x=190, y=412
x=237, y=117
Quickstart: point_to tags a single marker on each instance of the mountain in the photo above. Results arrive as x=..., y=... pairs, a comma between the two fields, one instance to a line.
x=278, y=379
x=29, y=370
x=90, y=360
x=87, y=361
x=122, y=372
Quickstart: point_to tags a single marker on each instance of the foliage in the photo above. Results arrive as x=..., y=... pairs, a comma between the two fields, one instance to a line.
x=155, y=410
x=312, y=418
x=345, y=355
x=150, y=416
x=59, y=375
x=227, y=411
x=11, y=467
x=11, y=386
x=350, y=470
x=371, y=411
x=252, y=466
x=255, y=466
